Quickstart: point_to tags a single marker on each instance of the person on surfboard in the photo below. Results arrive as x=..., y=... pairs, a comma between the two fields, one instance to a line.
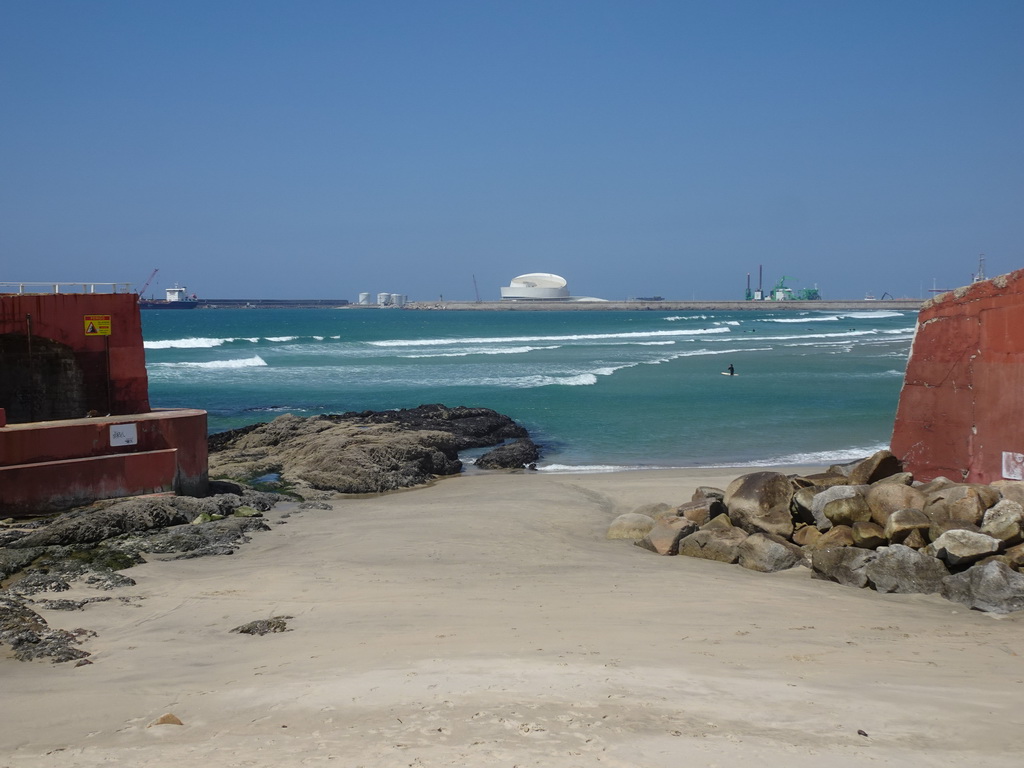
x=732, y=371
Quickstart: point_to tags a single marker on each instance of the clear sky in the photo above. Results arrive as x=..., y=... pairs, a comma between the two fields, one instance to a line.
x=313, y=149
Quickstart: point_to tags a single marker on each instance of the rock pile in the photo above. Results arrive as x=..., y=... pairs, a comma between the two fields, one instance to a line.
x=868, y=524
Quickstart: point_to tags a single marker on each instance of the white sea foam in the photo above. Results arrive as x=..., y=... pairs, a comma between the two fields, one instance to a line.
x=874, y=314
x=826, y=319
x=250, y=362
x=281, y=338
x=577, y=380
x=592, y=469
x=820, y=457
x=481, y=351
x=193, y=343
x=542, y=339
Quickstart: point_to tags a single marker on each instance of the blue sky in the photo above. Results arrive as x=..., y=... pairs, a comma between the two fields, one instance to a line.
x=315, y=149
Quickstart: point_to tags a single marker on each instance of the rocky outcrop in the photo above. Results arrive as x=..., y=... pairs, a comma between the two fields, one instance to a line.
x=866, y=524
x=515, y=455
x=360, y=452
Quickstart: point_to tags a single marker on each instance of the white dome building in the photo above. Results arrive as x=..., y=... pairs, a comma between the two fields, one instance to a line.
x=536, y=286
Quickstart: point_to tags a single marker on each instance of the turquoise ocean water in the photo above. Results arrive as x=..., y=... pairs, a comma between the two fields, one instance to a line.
x=597, y=389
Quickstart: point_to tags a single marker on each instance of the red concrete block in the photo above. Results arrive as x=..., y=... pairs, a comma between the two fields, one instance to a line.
x=962, y=401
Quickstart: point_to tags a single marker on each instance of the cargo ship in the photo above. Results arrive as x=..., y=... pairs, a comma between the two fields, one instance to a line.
x=177, y=298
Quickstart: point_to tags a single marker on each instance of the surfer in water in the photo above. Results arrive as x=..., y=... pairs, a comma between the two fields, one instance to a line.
x=732, y=371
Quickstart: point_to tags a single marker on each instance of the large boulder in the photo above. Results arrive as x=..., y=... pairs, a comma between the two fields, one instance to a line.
x=847, y=510
x=839, y=536
x=759, y=503
x=868, y=535
x=702, y=510
x=767, y=553
x=876, y=467
x=703, y=492
x=844, y=565
x=990, y=587
x=664, y=536
x=902, y=522
x=825, y=497
x=802, y=501
x=719, y=544
x=897, y=568
x=884, y=498
x=1005, y=521
x=515, y=455
x=631, y=525
x=959, y=548
x=1010, y=489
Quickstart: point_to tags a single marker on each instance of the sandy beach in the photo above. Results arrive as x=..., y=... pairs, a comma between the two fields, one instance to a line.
x=486, y=620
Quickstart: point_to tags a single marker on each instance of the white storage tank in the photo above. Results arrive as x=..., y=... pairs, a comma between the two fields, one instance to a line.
x=398, y=300
x=383, y=299
x=364, y=298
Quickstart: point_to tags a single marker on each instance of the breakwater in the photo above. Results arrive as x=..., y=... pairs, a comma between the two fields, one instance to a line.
x=899, y=305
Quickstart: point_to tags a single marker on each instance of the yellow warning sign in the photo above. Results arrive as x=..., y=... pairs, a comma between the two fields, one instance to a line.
x=97, y=325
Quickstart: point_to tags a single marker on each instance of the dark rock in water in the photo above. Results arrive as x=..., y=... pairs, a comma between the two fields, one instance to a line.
x=473, y=427
x=514, y=455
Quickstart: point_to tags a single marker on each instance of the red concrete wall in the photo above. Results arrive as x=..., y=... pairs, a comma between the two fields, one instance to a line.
x=56, y=464
x=961, y=409
x=82, y=481
x=64, y=462
x=61, y=317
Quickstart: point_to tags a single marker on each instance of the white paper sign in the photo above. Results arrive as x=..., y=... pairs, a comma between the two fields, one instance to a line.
x=1013, y=465
x=124, y=434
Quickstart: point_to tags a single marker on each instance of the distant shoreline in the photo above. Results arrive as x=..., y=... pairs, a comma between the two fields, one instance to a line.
x=903, y=305
x=908, y=305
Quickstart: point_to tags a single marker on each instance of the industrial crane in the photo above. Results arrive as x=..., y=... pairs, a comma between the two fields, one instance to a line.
x=149, y=280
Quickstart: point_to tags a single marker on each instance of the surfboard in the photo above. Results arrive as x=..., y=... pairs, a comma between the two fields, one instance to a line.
x=726, y=373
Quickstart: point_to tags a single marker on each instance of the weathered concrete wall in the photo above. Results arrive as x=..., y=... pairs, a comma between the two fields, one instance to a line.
x=112, y=367
x=53, y=372
x=961, y=410
x=57, y=464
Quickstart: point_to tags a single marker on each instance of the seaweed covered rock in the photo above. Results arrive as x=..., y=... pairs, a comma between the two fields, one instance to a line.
x=359, y=452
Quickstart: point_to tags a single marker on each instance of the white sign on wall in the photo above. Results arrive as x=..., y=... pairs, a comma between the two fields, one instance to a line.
x=1013, y=465
x=124, y=434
